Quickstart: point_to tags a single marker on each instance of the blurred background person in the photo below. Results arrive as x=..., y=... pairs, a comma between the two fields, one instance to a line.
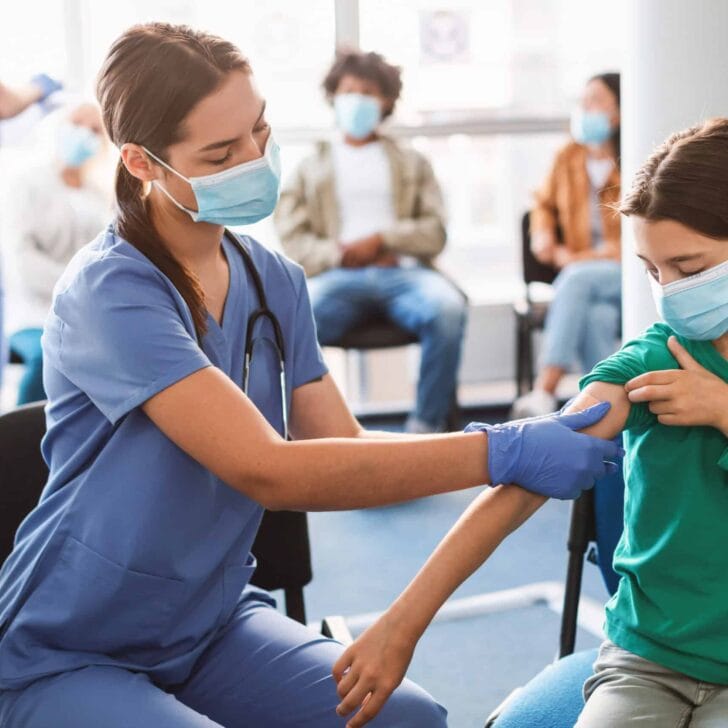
x=364, y=216
x=14, y=100
x=575, y=229
x=57, y=205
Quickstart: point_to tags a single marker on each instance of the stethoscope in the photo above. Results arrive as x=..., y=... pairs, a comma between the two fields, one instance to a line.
x=262, y=312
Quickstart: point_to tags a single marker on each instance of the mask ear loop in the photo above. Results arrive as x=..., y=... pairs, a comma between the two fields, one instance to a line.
x=191, y=213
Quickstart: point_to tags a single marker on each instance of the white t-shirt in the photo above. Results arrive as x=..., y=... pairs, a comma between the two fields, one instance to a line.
x=363, y=190
x=598, y=171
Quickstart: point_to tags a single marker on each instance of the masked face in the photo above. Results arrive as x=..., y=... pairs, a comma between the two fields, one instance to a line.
x=695, y=307
x=688, y=275
x=76, y=144
x=596, y=117
x=357, y=115
x=590, y=127
x=240, y=195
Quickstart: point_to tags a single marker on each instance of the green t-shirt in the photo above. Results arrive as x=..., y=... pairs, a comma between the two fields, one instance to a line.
x=671, y=606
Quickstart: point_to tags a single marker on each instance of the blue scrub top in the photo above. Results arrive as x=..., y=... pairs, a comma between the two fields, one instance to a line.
x=136, y=554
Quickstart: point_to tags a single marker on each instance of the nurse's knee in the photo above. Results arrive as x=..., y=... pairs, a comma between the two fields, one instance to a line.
x=412, y=707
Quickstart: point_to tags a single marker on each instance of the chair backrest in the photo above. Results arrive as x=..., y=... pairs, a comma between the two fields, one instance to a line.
x=23, y=472
x=596, y=518
x=281, y=546
x=533, y=270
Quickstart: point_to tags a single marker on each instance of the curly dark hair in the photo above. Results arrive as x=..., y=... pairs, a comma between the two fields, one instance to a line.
x=370, y=66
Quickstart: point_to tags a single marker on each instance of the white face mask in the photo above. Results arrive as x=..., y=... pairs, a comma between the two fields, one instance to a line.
x=240, y=195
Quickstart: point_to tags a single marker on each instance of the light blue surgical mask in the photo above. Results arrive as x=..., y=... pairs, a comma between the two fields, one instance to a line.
x=77, y=144
x=695, y=307
x=240, y=195
x=590, y=127
x=357, y=115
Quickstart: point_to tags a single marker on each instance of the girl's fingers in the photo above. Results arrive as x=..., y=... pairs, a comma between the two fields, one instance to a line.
x=342, y=665
x=649, y=393
x=355, y=698
x=665, y=376
x=669, y=420
x=662, y=408
x=347, y=683
x=680, y=353
x=372, y=705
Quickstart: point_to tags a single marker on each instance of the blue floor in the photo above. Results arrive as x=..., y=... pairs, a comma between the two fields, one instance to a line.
x=363, y=559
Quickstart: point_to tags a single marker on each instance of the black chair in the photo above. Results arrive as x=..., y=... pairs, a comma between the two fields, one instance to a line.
x=281, y=547
x=530, y=314
x=379, y=332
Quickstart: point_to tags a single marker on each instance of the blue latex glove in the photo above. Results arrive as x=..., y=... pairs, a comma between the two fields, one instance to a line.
x=546, y=456
x=46, y=84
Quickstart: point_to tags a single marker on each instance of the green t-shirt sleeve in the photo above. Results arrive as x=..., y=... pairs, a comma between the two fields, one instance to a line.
x=646, y=353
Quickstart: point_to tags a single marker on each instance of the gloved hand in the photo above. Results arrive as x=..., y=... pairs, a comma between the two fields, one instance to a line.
x=546, y=456
x=46, y=84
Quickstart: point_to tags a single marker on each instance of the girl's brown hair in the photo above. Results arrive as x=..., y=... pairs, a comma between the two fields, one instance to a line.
x=152, y=77
x=686, y=180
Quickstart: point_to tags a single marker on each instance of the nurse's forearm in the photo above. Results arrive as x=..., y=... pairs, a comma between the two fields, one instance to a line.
x=489, y=519
x=17, y=99
x=342, y=474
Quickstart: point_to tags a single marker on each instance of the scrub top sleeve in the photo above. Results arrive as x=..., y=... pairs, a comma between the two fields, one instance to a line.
x=647, y=353
x=308, y=360
x=121, y=335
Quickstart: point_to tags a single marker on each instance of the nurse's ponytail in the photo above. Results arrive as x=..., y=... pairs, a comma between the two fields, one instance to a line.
x=686, y=180
x=152, y=77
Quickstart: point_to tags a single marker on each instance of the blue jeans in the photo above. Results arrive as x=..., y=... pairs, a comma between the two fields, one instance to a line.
x=419, y=300
x=262, y=671
x=584, y=319
x=26, y=344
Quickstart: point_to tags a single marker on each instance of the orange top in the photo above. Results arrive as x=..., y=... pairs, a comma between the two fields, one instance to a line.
x=564, y=200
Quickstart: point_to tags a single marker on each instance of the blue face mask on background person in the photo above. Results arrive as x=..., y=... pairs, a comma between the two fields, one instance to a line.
x=77, y=144
x=357, y=115
x=240, y=195
x=695, y=307
x=590, y=127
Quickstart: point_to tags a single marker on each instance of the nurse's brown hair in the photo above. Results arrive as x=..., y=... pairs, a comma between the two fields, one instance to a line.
x=686, y=180
x=151, y=79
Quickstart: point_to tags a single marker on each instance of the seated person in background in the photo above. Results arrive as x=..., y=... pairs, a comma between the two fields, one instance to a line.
x=364, y=217
x=583, y=320
x=665, y=661
x=13, y=101
x=56, y=208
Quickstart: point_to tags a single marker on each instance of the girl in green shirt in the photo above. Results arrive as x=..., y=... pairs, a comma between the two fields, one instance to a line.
x=665, y=661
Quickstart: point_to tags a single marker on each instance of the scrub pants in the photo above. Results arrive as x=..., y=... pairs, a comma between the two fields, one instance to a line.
x=262, y=671
x=583, y=320
x=418, y=299
x=26, y=344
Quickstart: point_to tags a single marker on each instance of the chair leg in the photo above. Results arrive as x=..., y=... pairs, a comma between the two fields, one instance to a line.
x=295, y=607
x=521, y=345
x=528, y=354
x=454, y=415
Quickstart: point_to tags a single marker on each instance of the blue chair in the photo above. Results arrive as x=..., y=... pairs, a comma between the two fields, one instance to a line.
x=553, y=699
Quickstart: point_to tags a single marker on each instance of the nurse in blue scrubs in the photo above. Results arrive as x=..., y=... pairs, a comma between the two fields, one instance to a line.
x=126, y=600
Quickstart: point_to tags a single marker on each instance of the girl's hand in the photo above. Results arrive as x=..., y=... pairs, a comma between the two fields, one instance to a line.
x=371, y=669
x=688, y=396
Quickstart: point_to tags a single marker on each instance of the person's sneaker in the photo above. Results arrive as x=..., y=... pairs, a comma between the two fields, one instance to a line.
x=534, y=404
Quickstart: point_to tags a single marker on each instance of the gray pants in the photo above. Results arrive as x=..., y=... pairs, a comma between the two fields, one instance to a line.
x=628, y=690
